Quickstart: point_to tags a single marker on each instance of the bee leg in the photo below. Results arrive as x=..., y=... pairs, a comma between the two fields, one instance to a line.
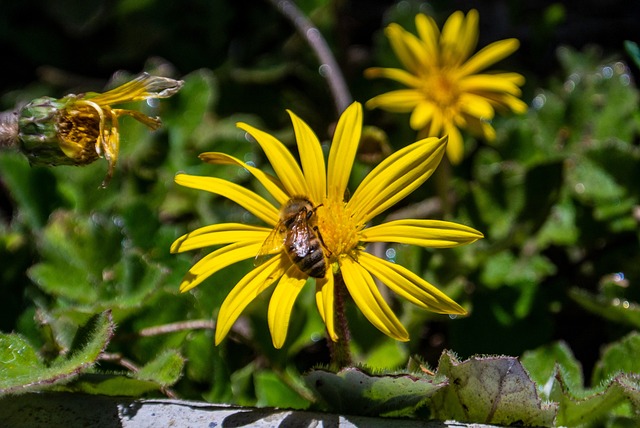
x=315, y=229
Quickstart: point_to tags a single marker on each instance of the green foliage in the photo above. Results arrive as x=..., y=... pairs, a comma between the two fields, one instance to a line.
x=616, y=390
x=90, y=291
x=22, y=369
x=353, y=391
x=493, y=390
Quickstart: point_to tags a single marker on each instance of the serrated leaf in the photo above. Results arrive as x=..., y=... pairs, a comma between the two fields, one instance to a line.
x=576, y=406
x=544, y=362
x=489, y=390
x=25, y=373
x=616, y=358
x=165, y=370
x=352, y=391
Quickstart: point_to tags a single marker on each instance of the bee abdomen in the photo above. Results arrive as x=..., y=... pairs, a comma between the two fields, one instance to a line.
x=313, y=263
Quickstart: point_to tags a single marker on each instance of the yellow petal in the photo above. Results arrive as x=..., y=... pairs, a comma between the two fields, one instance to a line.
x=281, y=160
x=410, y=286
x=422, y=115
x=429, y=34
x=468, y=39
x=141, y=88
x=219, y=259
x=343, y=150
x=425, y=233
x=480, y=128
x=406, y=47
x=436, y=125
x=477, y=106
x=489, y=82
x=396, y=177
x=455, y=147
x=272, y=184
x=281, y=304
x=450, y=38
x=245, y=291
x=311, y=158
x=324, y=300
x=369, y=300
x=217, y=234
x=489, y=55
x=400, y=101
x=509, y=102
x=249, y=200
x=515, y=78
x=396, y=74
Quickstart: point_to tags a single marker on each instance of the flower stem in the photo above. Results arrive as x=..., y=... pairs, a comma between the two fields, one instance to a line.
x=328, y=65
x=340, y=352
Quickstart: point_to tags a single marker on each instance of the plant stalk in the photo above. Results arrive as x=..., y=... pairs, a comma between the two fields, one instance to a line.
x=340, y=351
x=329, y=68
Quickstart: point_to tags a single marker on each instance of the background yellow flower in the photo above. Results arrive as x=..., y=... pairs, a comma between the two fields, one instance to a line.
x=447, y=93
x=340, y=225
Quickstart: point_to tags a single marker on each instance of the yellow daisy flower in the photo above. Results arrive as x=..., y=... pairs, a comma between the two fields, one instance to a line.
x=337, y=226
x=447, y=93
x=78, y=129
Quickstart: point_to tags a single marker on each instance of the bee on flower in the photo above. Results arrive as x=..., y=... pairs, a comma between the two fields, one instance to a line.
x=313, y=233
x=79, y=129
x=446, y=90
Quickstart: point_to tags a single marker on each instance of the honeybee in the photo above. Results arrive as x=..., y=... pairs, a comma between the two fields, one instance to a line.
x=298, y=235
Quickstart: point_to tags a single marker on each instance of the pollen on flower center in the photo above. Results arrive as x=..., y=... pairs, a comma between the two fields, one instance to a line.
x=337, y=228
x=441, y=90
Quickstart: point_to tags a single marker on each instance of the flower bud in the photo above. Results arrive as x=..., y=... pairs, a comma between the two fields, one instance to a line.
x=78, y=129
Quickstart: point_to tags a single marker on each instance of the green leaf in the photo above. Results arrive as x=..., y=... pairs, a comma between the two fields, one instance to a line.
x=352, y=391
x=559, y=377
x=162, y=372
x=633, y=51
x=544, y=362
x=494, y=390
x=165, y=370
x=560, y=226
x=617, y=357
x=17, y=359
x=22, y=371
x=577, y=406
x=610, y=308
x=272, y=391
x=113, y=385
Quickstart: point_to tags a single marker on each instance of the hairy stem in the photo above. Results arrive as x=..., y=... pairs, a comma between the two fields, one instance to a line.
x=339, y=351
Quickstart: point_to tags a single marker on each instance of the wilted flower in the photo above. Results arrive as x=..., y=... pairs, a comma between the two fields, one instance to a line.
x=446, y=91
x=78, y=129
x=321, y=219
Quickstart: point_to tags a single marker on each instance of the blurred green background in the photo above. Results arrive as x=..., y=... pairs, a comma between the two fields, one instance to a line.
x=556, y=195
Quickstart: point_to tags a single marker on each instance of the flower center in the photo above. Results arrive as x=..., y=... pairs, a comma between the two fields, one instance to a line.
x=336, y=226
x=79, y=129
x=442, y=90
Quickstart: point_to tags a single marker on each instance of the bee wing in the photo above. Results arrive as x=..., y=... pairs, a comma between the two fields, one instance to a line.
x=300, y=235
x=272, y=244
